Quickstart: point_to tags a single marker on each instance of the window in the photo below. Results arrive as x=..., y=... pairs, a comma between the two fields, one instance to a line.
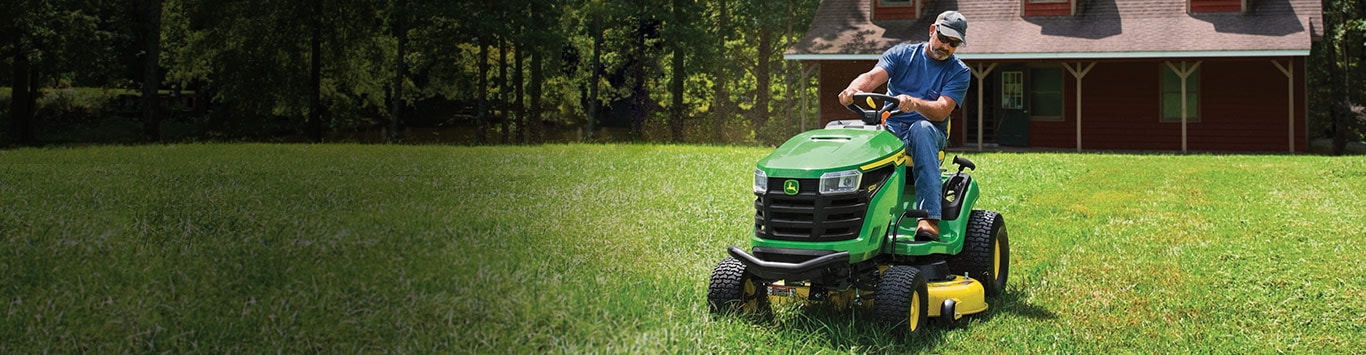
x=1196, y=6
x=1171, y=95
x=1012, y=90
x=1030, y=8
x=1045, y=93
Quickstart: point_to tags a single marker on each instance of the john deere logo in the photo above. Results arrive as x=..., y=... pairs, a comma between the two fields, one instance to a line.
x=791, y=187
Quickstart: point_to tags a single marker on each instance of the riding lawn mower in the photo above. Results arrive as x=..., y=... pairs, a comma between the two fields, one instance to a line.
x=828, y=227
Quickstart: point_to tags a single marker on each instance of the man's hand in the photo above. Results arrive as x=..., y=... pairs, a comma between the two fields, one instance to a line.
x=907, y=103
x=847, y=96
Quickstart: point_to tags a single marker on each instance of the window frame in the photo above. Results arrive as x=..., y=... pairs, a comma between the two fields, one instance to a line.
x=1006, y=95
x=1031, y=79
x=1192, y=92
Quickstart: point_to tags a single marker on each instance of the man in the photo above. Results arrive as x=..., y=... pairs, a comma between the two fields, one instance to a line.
x=930, y=83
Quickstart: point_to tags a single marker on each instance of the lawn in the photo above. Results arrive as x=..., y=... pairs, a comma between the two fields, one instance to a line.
x=250, y=248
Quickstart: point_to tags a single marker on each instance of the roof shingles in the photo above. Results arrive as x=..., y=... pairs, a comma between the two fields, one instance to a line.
x=841, y=27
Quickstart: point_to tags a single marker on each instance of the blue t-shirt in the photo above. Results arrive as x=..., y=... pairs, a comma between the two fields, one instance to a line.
x=913, y=73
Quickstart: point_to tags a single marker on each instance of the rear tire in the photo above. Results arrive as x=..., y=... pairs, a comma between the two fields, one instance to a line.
x=903, y=299
x=734, y=289
x=986, y=252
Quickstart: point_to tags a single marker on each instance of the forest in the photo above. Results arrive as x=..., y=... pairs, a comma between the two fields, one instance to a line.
x=462, y=72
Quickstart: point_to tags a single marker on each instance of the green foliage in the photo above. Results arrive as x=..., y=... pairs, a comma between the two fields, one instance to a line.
x=1337, y=73
x=591, y=248
x=252, y=58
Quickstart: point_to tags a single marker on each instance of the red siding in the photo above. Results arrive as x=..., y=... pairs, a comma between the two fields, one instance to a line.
x=1120, y=108
x=906, y=12
x=1048, y=8
x=1243, y=108
x=1216, y=5
x=835, y=76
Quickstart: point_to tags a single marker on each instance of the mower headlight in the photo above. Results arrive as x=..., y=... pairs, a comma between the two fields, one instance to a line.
x=840, y=182
x=760, y=182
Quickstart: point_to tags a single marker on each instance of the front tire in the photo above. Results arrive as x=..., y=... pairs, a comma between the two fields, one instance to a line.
x=734, y=289
x=903, y=299
x=986, y=252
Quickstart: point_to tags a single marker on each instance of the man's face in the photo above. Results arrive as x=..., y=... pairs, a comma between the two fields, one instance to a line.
x=941, y=46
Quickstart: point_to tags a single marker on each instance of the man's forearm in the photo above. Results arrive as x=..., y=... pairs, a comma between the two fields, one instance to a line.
x=864, y=82
x=934, y=110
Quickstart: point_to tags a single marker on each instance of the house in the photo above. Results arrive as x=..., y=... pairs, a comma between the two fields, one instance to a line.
x=1178, y=75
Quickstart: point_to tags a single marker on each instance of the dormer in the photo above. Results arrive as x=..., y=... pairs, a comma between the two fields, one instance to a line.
x=897, y=10
x=1051, y=7
x=1207, y=6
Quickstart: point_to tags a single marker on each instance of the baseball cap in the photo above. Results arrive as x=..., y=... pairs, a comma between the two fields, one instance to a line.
x=953, y=24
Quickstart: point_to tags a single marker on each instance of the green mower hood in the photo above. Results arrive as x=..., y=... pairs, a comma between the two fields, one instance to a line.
x=812, y=153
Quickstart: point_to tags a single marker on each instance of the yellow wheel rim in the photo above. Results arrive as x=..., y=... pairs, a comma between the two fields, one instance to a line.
x=915, y=310
x=996, y=259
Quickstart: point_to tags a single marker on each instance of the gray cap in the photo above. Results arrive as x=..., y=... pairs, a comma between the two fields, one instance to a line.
x=953, y=24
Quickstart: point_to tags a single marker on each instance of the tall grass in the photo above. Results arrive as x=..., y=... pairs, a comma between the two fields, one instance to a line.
x=342, y=248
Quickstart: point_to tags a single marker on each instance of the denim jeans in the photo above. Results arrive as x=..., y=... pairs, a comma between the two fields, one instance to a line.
x=923, y=143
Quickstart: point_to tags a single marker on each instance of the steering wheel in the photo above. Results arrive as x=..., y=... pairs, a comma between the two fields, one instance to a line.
x=888, y=107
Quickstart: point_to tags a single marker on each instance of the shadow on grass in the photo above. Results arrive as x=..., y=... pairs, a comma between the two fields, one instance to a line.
x=825, y=326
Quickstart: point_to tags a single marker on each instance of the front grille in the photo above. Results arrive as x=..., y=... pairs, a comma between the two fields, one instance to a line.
x=810, y=216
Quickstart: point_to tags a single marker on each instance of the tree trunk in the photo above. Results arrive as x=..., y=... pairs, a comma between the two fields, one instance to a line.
x=517, y=58
x=762, y=84
x=400, y=70
x=721, y=105
x=315, y=105
x=537, y=79
x=594, y=76
x=1336, y=80
x=640, y=95
x=481, y=117
x=151, y=80
x=21, y=98
x=789, y=82
x=676, y=83
x=503, y=96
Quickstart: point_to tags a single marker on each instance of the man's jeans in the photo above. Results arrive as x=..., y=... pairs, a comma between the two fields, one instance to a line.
x=923, y=143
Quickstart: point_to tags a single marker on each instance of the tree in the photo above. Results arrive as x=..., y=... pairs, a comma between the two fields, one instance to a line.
x=399, y=24
x=313, y=60
x=680, y=26
x=151, y=77
x=53, y=36
x=1345, y=26
x=721, y=104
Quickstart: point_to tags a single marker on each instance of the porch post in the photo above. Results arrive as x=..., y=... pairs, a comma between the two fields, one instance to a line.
x=1185, y=72
x=1079, y=73
x=981, y=74
x=1289, y=70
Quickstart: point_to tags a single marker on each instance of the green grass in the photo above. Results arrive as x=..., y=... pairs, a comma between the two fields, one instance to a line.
x=343, y=248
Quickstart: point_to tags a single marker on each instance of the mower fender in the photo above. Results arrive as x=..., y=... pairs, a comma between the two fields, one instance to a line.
x=772, y=270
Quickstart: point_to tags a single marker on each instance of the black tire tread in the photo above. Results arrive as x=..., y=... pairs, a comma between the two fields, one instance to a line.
x=976, y=257
x=894, y=292
x=725, y=292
